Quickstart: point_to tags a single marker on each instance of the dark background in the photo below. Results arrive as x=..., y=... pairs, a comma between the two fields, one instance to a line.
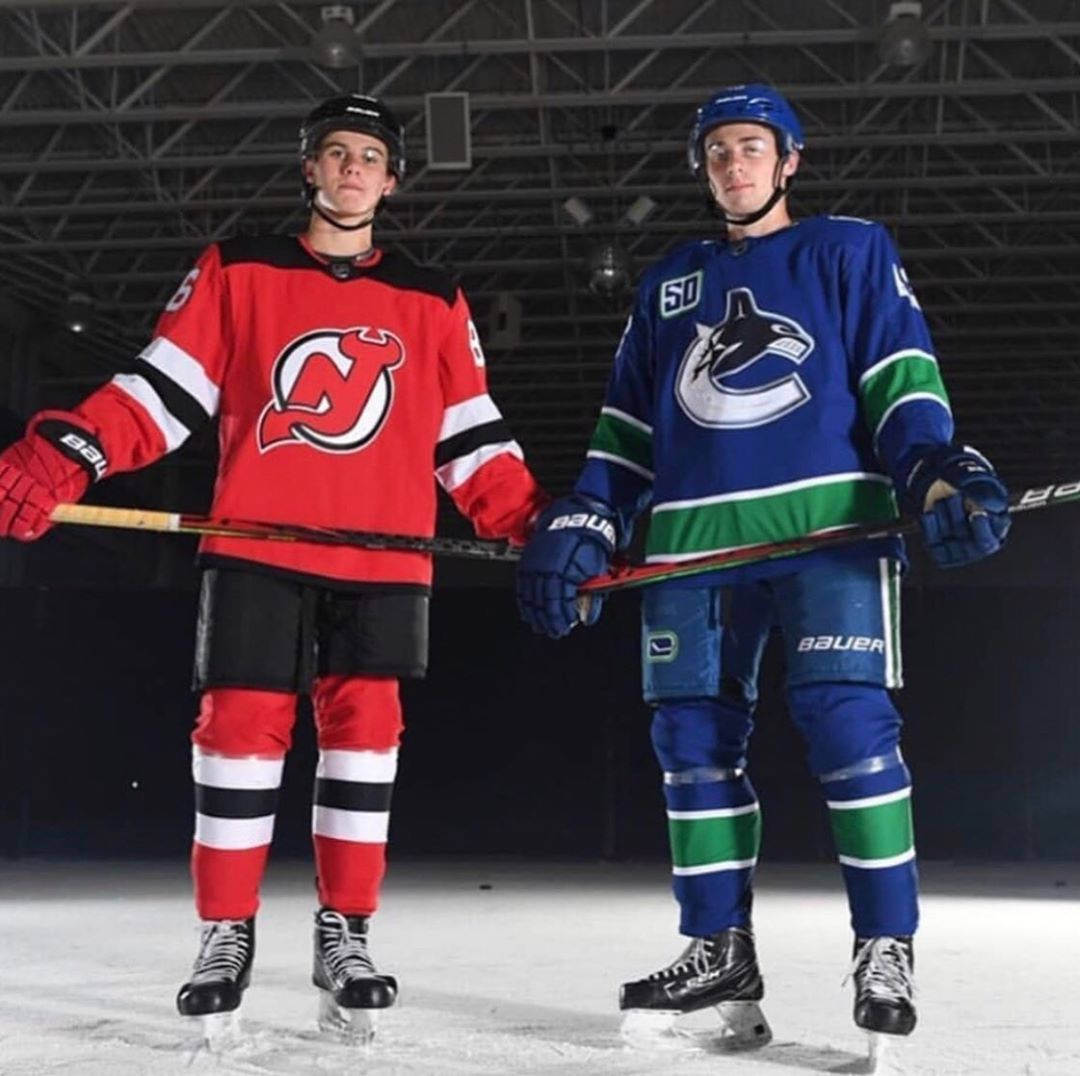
x=519, y=745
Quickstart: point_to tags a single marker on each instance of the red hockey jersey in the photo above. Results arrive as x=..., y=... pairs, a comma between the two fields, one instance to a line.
x=340, y=387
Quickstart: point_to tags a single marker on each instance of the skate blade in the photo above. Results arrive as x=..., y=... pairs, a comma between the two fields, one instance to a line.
x=742, y=1026
x=353, y=1027
x=220, y=1030
x=651, y=1029
x=883, y=1057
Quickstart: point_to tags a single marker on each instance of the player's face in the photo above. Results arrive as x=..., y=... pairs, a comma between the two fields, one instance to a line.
x=351, y=171
x=741, y=160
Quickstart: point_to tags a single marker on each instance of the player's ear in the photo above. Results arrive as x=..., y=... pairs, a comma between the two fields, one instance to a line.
x=390, y=185
x=791, y=163
x=309, y=168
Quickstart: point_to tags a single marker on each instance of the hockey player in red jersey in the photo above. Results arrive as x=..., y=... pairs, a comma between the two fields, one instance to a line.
x=341, y=375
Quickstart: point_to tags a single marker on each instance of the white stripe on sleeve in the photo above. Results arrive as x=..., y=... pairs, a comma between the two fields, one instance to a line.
x=175, y=363
x=172, y=429
x=463, y=416
x=456, y=472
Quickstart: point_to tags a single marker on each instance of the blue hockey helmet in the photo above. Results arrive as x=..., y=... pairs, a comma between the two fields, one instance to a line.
x=751, y=103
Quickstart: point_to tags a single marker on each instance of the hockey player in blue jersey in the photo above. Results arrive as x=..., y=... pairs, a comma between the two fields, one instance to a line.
x=773, y=382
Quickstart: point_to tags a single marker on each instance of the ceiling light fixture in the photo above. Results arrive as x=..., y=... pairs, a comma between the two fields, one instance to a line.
x=609, y=270
x=577, y=210
x=77, y=312
x=335, y=44
x=904, y=40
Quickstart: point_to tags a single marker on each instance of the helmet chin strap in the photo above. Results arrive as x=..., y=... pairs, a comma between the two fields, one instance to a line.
x=313, y=201
x=779, y=191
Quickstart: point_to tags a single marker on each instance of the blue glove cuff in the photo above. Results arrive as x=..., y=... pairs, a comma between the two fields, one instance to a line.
x=585, y=516
x=964, y=469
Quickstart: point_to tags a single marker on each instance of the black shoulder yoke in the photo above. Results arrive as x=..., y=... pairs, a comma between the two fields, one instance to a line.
x=286, y=252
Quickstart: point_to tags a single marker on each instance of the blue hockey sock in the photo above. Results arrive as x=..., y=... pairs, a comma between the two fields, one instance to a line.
x=714, y=823
x=870, y=813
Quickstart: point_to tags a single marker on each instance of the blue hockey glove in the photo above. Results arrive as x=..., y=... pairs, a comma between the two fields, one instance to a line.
x=573, y=540
x=963, y=505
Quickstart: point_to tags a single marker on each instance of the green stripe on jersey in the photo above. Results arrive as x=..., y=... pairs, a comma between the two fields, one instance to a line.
x=790, y=511
x=878, y=832
x=699, y=841
x=907, y=374
x=617, y=437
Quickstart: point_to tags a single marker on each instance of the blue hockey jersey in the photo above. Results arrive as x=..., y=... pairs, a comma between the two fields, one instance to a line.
x=766, y=389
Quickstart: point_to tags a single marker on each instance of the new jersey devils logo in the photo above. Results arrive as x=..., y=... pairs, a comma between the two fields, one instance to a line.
x=333, y=389
x=717, y=352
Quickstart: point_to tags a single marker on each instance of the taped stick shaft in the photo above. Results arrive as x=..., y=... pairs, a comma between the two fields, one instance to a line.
x=129, y=518
x=144, y=519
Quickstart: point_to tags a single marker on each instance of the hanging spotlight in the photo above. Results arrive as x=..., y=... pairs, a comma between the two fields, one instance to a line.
x=577, y=210
x=77, y=312
x=609, y=270
x=639, y=210
x=336, y=45
x=904, y=40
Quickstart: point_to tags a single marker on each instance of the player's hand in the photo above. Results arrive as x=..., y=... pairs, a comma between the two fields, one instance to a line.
x=964, y=505
x=573, y=541
x=25, y=501
x=33, y=477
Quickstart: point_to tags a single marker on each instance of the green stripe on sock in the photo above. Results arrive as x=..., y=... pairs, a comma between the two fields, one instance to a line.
x=873, y=832
x=714, y=840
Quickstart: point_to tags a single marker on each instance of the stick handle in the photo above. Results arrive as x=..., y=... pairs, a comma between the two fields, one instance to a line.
x=93, y=515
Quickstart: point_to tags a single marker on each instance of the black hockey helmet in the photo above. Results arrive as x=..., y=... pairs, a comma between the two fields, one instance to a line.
x=355, y=112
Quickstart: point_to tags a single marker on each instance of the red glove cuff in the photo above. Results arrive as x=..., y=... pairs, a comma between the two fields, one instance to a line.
x=69, y=453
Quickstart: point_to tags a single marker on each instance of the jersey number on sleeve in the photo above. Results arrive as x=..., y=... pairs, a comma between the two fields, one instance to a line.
x=182, y=293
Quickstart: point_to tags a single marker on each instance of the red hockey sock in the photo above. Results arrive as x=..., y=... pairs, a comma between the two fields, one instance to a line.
x=227, y=882
x=359, y=723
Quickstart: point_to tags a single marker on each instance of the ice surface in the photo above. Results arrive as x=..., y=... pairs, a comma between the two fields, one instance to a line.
x=522, y=977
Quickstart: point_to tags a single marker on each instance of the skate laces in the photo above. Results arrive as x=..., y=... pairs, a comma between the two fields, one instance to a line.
x=881, y=969
x=344, y=953
x=223, y=949
x=695, y=957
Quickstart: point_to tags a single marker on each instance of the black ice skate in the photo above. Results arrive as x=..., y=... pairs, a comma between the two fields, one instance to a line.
x=720, y=970
x=220, y=977
x=884, y=988
x=351, y=990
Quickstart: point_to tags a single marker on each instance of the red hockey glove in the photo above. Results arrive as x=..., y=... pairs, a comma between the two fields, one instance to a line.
x=55, y=464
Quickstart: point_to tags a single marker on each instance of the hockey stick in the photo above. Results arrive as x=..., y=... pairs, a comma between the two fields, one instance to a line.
x=176, y=522
x=623, y=577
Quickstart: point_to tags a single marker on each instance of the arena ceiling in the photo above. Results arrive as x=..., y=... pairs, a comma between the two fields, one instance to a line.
x=131, y=134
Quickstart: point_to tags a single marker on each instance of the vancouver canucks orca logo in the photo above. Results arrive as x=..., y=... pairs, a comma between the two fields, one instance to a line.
x=746, y=334
x=332, y=389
